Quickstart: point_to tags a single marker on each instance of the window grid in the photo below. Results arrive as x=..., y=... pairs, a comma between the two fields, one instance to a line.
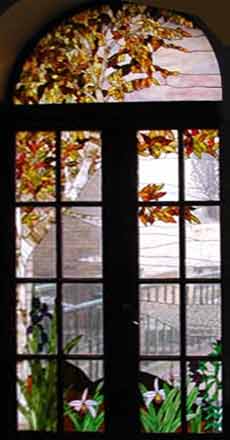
x=59, y=280
x=183, y=281
x=167, y=281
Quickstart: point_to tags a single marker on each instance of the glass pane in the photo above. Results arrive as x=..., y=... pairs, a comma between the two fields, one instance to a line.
x=157, y=165
x=36, y=242
x=81, y=165
x=36, y=318
x=37, y=395
x=82, y=242
x=203, y=243
x=203, y=317
x=160, y=396
x=83, y=396
x=159, y=319
x=131, y=53
x=159, y=242
x=201, y=152
x=35, y=166
x=204, y=400
x=82, y=316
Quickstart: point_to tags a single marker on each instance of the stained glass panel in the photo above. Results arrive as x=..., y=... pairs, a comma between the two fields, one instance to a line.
x=204, y=383
x=203, y=243
x=35, y=166
x=203, y=317
x=81, y=165
x=157, y=165
x=82, y=242
x=37, y=395
x=131, y=53
x=36, y=318
x=158, y=242
x=83, y=396
x=160, y=396
x=201, y=152
x=82, y=316
x=159, y=319
x=36, y=242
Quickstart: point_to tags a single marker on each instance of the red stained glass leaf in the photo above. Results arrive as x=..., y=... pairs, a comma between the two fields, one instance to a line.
x=35, y=166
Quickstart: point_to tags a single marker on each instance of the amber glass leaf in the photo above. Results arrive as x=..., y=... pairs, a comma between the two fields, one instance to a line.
x=201, y=152
x=129, y=53
x=35, y=166
x=81, y=165
x=200, y=142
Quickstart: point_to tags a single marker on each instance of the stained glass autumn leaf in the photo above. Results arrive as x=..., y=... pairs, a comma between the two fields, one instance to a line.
x=200, y=141
x=196, y=141
x=80, y=159
x=149, y=215
x=172, y=17
x=35, y=166
x=151, y=192
x=156, y=142
x=99, y=55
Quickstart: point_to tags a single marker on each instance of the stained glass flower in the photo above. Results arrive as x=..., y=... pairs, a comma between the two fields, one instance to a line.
x=84, y=405
x=157, y=395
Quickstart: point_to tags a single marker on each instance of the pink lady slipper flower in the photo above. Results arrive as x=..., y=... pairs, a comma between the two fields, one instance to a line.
x=84, y=405
x=157, y=395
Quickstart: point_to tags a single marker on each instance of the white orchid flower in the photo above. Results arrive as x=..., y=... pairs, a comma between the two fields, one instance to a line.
x=199, y=401
x=157, y=395
x=84, y=404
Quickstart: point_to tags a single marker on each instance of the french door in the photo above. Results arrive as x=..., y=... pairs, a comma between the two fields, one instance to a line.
x=121, y=297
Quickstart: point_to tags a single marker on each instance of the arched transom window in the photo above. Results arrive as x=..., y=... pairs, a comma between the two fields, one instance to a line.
x=115, y=54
